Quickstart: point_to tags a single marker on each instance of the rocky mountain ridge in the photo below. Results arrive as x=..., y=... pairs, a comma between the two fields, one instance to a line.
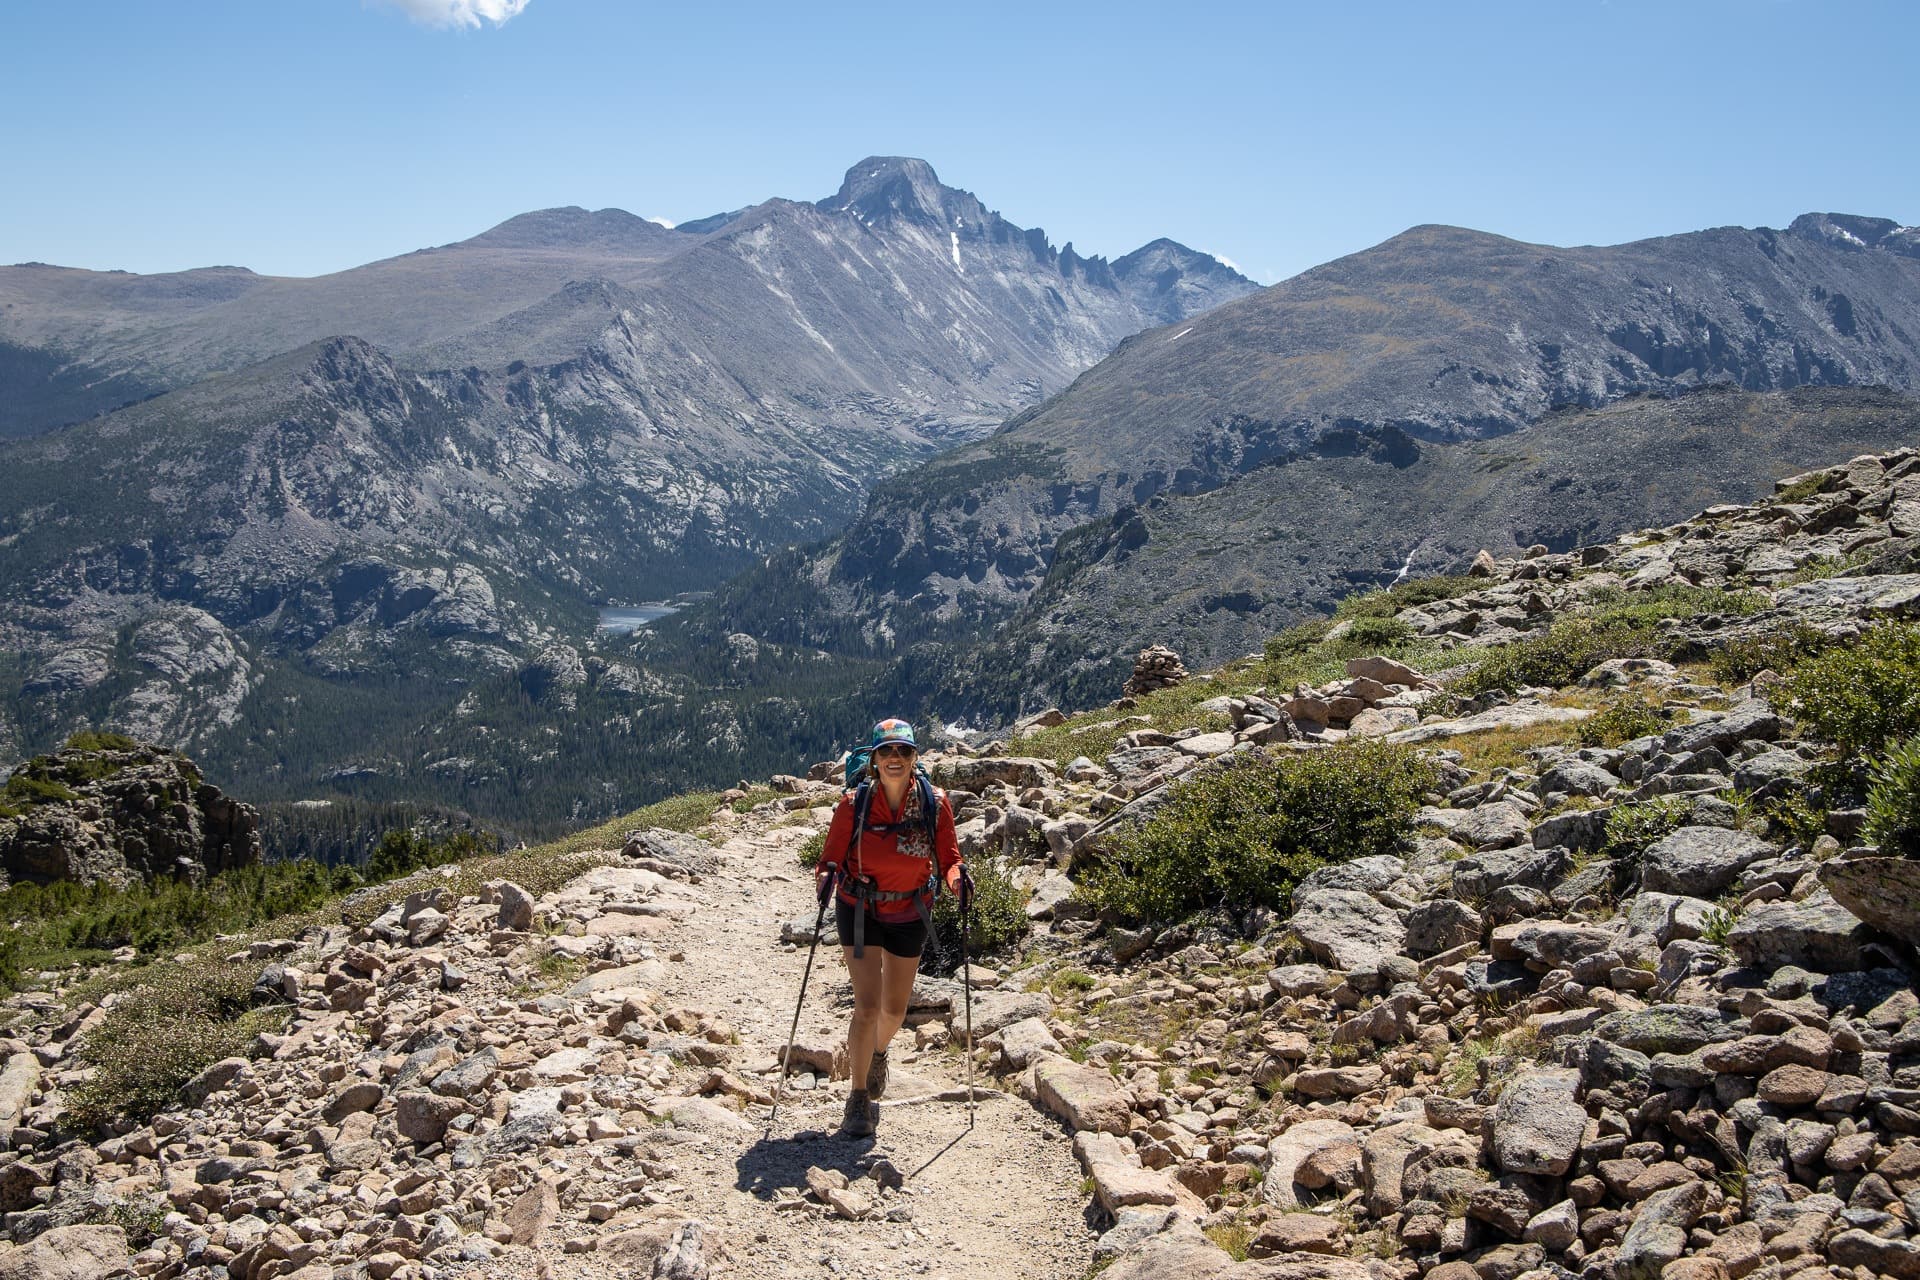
x=1437, y=334
x=783, y=272
x=569, y=410
x=1597, y=1015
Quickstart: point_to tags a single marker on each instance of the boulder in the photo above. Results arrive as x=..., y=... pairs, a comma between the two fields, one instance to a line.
x=1022, y=1042
x=1537, y=1124
x=1488, y=826
x=68, y=1253
x=516, y=908
x=1884, y=892
x=1752, y=720
x=1298, y=980
x=1440, y=924
x=1119, y=1181
x=1084, y=1097
x=1478, y=874
x=978, y=773
x=1700, y=862
x=1668, y=1028
x=1658, y=1232
x=1518, y=715
x=422, y=1118
x=533, y=1211
x=1576, y=777
x=1348, y=930
x=1814, y=933
x=1286, y=1153
x=1385, y=670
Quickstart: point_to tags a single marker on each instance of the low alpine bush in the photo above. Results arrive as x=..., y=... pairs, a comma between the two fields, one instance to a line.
x=1573, y=647
x=182, y=1019
x=1634, y=828
x=1779, y=650
x=1630, y=717
x=1239, y=837
x=1893, y=801
x=1862, y=697
x=999, y=913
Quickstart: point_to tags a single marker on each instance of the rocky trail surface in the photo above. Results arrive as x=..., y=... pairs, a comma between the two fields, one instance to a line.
x=570, y=1085
x=998, y=1198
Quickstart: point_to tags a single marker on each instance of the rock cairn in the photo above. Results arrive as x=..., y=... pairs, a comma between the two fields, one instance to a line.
x=1156, y=667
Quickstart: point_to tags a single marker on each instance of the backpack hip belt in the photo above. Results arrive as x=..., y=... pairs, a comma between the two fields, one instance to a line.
x=865, y=894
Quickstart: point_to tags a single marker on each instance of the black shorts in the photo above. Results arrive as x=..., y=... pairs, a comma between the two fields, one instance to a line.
x=906, y=938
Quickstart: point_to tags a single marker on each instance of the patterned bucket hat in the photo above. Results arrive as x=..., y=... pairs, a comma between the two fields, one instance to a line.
x=892, y=731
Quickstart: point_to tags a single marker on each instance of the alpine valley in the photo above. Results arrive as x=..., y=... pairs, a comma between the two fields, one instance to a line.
x=352, y=532
x=348, y=536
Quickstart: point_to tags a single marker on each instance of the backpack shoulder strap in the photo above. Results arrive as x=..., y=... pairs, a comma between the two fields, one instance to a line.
x=862, y=797
x=929, y=806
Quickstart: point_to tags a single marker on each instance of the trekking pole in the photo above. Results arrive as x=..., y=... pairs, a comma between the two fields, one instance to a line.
x=966, y=986
x=827, y=884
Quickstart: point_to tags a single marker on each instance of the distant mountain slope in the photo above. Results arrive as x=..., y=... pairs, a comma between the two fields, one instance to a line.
x=334, y=545
x=1213, y=574
x=881, y=266
x=1437, y=334
x=168, y=331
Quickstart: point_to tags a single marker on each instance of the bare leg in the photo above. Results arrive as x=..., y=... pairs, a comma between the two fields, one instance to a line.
x=896, y=989
x=863, y=1034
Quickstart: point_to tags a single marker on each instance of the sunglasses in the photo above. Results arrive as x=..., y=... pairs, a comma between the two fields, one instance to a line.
x=893, y=749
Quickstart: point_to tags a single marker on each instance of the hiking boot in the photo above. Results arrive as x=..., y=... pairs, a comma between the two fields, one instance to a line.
x=858, y=1120
x=877, y=1075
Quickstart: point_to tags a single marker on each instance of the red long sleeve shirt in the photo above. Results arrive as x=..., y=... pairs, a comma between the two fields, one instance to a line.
x=879, y=854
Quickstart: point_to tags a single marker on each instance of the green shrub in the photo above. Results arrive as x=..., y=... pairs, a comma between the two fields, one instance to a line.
x=1239, y=837
x=999, y=913
x=97, y=740
x=1863, y=697
x=1573, y=647
x=1633, y=828
x=31, y=789
x=1297, y=639
x=182, y=1019
x=1803, y=820
x=1717, y=924
x=1804, y=488
x=1893, y=801
x=1405, y=595
x=401, y=853
x=1628, y=718
x=755, y=797
x=1379, y=633
x=810, y=851
x=1779, y=651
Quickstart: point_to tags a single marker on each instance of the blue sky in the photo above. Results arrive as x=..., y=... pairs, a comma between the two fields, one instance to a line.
x=304, y=136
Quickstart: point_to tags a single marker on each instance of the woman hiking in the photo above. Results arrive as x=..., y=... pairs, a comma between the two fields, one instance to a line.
x=891, y=845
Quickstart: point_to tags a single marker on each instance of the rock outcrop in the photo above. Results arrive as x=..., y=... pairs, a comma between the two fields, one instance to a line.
x=115, y=810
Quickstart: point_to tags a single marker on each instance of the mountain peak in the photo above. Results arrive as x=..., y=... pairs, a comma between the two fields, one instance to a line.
x=572, y=227
x=1852, y=231
x=883, y=187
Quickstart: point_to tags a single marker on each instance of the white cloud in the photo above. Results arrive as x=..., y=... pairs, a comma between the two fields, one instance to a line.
x=1226, y=262
x=662, y=222
x=459, y=13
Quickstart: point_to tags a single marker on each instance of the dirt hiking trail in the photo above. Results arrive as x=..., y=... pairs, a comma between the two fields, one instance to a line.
x=1000, y=1199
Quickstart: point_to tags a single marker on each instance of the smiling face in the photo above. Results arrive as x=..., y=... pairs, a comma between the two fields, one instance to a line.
x=893, y=761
